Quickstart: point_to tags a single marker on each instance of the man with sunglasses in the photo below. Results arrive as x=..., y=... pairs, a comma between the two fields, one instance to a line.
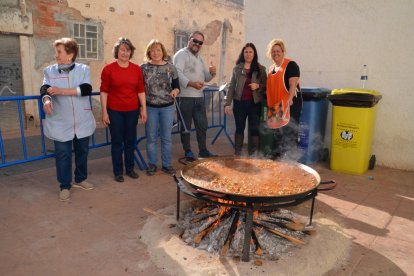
x=192, y=74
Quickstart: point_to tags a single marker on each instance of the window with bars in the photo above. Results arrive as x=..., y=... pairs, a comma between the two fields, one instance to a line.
x=86, y=35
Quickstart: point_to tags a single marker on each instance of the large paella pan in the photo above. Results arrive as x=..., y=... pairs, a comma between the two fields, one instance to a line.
x=244, y=177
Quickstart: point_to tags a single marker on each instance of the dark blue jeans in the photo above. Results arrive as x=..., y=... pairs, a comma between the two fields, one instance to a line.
x=123, y=128
x=243, y=110
x=63, y=151
x=194, y=109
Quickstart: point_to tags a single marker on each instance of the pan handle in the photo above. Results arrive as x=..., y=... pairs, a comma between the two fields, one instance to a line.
x=209, y=193
x=328, y=188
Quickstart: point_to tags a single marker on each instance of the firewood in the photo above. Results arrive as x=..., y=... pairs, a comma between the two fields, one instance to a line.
x=309, y=232
x=208, y=227
x=204, y=209
x=201, y=235
x=202, y=216
x=286, y=236
x=259, y=250
x=289, y=225
x=230, y=235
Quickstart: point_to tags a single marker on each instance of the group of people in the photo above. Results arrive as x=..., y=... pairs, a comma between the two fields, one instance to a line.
x=130, y=93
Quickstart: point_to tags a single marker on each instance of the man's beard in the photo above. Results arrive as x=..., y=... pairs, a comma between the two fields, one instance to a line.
x=194, y=50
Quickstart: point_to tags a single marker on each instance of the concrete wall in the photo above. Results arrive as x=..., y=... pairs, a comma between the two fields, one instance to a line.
x=332, y=39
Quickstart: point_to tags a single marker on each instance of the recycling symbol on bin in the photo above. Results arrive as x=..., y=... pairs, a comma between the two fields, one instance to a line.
x=346, y=135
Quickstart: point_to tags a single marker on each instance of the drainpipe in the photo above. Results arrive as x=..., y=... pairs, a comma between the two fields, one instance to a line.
x=224, y=31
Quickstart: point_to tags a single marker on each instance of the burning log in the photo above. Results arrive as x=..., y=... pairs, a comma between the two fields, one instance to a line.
x=210, y=225
x=203, y=216
x=230, y=236
x=222, y=230
x=259, y=250
x=204, y=209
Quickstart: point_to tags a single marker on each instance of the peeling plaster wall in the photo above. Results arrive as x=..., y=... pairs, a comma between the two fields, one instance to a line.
x=332, y=39
x=15, y=17
x=51, y=21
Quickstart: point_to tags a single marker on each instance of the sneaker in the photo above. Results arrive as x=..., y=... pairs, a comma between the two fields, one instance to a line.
x=189, y=154
x=119, y=178
x=83, y=185
x=206, y=154
x=64, y=195
x=151, y=169
x=169, y=170
x=132, y=174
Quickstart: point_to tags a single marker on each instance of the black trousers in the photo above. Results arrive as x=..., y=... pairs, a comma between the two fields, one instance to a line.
x=243, y=110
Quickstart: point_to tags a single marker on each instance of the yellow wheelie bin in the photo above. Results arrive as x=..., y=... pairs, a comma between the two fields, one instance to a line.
x=353, y=120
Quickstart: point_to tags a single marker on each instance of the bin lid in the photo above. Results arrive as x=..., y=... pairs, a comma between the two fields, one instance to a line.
x=354, y=97
x=355, y=90
x=314, y=92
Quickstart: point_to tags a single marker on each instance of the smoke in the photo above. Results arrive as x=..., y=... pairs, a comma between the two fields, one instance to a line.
x=281, y=143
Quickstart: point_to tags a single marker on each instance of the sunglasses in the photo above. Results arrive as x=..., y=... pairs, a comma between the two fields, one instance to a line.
x=196, y=41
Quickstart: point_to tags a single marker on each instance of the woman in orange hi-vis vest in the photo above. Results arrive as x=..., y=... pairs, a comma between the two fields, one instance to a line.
x=284, y=101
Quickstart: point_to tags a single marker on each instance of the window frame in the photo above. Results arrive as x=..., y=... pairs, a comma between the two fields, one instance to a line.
x=180, y=40
x=87, y=43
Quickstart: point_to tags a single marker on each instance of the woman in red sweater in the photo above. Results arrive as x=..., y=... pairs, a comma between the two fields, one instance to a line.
x=123, y=100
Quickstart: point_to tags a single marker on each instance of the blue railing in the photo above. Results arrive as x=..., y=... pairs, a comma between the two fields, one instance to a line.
x=217, y=120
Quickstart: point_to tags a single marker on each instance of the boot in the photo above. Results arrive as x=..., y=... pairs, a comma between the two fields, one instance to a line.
x=254, y=145
x=238, y=143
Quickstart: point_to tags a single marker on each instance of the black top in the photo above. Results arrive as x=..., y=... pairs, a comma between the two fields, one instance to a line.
x=292, y=70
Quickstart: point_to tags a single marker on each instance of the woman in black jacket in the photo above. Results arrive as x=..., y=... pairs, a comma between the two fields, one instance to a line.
x=246, y=90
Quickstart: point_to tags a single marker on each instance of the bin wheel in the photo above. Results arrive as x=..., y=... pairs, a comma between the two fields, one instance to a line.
x=372, y=162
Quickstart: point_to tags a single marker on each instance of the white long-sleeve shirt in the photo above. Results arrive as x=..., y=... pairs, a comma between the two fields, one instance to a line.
x=190, y=67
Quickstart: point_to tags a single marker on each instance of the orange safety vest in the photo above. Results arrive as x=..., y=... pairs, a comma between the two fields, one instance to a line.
x=278, y=108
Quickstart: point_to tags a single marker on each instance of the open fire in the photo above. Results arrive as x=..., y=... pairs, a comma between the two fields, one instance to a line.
x=243, y=198
x=221, y=230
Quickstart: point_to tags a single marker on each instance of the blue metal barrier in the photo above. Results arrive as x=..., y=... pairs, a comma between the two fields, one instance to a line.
x=43, y=155
x=219, y=122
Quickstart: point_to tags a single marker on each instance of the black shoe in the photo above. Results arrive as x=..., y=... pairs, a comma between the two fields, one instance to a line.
x=275, y=155
x=206, y=154
x=119, y=178
x=170, y=170
x=132, y=174
x=151, y=169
